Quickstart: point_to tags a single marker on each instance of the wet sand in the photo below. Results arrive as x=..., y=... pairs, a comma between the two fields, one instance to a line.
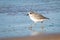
x=36, y=37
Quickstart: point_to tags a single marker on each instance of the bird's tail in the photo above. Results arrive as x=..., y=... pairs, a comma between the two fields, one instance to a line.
x=47, y=18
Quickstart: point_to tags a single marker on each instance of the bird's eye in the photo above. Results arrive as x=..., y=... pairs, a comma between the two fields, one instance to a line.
x=30, y=13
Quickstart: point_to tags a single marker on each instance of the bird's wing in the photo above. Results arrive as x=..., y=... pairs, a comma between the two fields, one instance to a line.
x=39, y=16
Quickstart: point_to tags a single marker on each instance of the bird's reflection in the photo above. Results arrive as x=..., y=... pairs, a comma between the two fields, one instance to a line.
x=33, y=25
x=34, y=32
x=42, y=28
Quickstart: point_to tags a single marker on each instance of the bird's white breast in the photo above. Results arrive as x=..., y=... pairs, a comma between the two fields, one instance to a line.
x=35, y=19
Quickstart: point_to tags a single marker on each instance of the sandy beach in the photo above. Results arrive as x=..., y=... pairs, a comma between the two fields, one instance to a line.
x=37, y=37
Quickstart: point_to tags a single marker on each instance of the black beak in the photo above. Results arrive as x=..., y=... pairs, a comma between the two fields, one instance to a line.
x=27, y=14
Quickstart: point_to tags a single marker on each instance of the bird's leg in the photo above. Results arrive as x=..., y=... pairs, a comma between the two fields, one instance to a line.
x=33, y=24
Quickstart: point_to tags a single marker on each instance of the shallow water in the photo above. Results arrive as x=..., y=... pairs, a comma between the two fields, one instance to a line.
x=16, y=24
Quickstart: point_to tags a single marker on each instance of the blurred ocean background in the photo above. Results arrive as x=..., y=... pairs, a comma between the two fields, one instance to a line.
x=15, y=23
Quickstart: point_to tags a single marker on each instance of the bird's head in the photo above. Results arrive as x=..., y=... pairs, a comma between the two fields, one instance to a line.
x=30, y=13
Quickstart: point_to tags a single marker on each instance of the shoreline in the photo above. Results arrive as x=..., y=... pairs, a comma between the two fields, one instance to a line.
x=36, y=37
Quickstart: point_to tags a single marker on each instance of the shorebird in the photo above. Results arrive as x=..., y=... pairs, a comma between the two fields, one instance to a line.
x=36, y=17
